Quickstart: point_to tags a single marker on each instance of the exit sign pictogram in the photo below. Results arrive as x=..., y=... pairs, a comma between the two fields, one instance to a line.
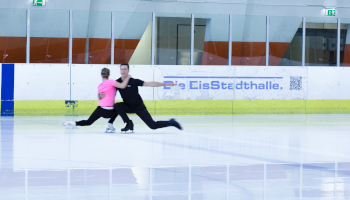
x=39, y=2
x=330, y=12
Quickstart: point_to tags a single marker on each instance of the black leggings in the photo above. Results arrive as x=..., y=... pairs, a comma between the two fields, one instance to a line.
x=99, y=112
x=122, y=108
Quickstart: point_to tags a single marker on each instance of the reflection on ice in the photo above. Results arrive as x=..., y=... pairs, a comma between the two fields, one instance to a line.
x=215, y=157
x=257, y=181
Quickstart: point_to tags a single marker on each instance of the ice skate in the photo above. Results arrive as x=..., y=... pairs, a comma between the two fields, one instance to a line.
x=129, y=126
x=68, y=124
x=173, y=122
x=110, y=128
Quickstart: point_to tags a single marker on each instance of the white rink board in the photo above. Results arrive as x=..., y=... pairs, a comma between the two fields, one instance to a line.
x=80, y=82
x=86, y=78
x=229, y=83
x=42, y=82
x=269, y=83
x=188, y=78
x=329, y=83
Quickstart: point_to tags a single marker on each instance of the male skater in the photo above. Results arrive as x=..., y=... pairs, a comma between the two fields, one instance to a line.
x=133, y=103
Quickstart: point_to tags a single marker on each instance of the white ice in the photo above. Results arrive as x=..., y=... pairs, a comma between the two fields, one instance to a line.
x=214, y=157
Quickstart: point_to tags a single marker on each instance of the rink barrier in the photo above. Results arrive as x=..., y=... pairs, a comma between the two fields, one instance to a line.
x=190, y=107
x=62, y=90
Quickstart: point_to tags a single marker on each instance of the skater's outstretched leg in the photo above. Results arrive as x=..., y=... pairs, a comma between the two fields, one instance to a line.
x=147, y=118
x=88, y=122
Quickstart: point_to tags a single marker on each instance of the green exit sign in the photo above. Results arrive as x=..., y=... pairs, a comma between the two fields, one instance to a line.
x=39, y=2
x=330, y=12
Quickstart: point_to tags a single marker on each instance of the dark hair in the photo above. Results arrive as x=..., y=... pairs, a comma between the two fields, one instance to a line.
x=105, y=72
x=125, y=64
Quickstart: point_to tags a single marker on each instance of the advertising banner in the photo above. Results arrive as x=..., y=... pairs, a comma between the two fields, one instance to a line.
x=231, y=83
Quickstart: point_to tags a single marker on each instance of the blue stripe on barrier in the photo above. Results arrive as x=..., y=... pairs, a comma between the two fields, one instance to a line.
x=7, y=89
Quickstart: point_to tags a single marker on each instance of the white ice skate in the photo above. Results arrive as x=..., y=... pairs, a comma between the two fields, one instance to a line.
x=109, y=128
x=68, y=124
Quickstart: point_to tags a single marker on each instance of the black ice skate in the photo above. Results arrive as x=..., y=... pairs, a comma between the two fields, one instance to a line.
x=173, y=122
x=129, y=126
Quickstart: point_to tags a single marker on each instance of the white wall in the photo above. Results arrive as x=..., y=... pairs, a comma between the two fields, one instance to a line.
x=80, y=23
x=49, y=23
x=283, y=29
x=80, y=82
x=130, y=25
x=238, y=7
x=13, y=22
x=52, y=20
x=100, y=24
x=249, y=28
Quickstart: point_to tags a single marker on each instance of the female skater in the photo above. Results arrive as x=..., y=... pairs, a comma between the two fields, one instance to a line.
x=105, y=106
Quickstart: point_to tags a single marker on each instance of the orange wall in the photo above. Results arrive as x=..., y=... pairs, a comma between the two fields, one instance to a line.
x=243, y=53
x=248, y=53
x=215, y=53
x=346, y=61
x=277, y=51
x=48, y=50
x=78, y=50
x=123, y=49
x=13, y=49
x=99, y=51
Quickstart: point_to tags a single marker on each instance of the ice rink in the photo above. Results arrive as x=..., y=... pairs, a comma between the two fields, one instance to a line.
x=213, y=158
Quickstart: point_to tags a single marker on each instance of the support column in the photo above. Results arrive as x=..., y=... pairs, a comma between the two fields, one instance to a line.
x=230, y=41
x=153, y=37
x=267, y=54
x=112, y=38
x=28, y=37
x=192, y=38
x=303, y=44
x=70, y=48
x=338, y=42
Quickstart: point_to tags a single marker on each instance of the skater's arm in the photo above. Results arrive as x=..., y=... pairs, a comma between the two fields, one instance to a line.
x=157, y=84
x=123, y=84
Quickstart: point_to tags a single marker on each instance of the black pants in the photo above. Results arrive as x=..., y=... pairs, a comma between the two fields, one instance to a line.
x=99, y=112
x=122, y=108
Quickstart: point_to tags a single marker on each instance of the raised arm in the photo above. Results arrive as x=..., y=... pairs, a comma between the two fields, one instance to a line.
x=157, y=84
x=123, y=84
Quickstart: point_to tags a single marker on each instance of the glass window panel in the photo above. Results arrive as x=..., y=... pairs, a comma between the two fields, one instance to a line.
x=248, y=40
x=173, y=39
x=132, y=38
x=321, y=41
x=285, y=41
x=99, y=37
x=80, y=35
x=49, y=36
x=345, y=42
x=13, y=23
x=211, y=39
